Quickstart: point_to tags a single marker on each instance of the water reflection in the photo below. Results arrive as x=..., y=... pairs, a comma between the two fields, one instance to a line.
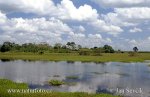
x=91, y=77
x=6, y=60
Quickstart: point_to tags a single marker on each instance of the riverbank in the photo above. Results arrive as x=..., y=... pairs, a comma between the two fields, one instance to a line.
x=106, y=57
x=7, y=85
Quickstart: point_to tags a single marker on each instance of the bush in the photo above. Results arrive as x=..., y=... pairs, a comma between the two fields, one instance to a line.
x=56, y=82
x=84, y=52
x=41, y=53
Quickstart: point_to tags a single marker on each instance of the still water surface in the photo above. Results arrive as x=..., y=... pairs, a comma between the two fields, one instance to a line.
x=110, y=77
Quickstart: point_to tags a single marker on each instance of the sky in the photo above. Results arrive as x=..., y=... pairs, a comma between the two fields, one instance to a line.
x=122, y=24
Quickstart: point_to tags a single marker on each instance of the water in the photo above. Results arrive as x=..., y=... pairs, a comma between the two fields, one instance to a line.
x=111, y=77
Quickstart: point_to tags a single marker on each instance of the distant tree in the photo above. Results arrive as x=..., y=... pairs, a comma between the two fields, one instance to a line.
x=64, y=47
x=57, y=46
x=108, y=49
x=135, y=49
x=7, y=46
x=95, y=47
x=79, y=47
x=71, y=45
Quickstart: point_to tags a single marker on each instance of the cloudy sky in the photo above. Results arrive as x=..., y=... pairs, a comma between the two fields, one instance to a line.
x=120, y=23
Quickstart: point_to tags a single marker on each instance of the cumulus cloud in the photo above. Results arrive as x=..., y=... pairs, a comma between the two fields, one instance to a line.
x=44, y=30
x=85, y=13
x=96, y=36
x=134, y=12
x=125, y=17
x=102, y=26
x=40, y=7
x=53, y=22
x=66, y=10
x=79, y=28
x=134, y=30
x=2, y=18
x=32, y=30
x=122, y=3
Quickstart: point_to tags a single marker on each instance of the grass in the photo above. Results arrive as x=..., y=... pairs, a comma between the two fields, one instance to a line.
x=7, y=84
x=71, y=83
x=113, y=57
x=56, y=76
x=72, y=77
x=56, y=82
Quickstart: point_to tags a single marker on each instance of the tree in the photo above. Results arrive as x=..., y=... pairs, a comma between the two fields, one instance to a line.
x=97, y=51
x=108, y=49
x=58, y=46
x=7, y=46
x=71, y=45
x=135, y=49
x=79, y=47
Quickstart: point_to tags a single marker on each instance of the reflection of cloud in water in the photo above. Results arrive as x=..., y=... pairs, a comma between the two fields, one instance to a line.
x=82, y=87
x=92, y=85
x=107, y=75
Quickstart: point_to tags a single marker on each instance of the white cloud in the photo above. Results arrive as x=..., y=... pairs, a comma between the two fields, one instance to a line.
x=134, y=12
x=122, y=3
x=51, y=30
x=66, y=10
x=40, y=7
x=33, y=30
x=79, y=29
x=125, y=17
x=52, y=26
x=85, y=13
x=115, y=19
x=96, y=36
x=134, y=30
x=2, y=18
x=102, y=26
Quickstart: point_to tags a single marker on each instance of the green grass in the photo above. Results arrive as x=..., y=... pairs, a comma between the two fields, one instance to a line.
x=56, y=82
x=7, y=84
x=117, y=57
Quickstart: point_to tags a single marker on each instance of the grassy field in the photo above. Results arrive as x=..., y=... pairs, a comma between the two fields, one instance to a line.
x=117, y=57
x=7, y=84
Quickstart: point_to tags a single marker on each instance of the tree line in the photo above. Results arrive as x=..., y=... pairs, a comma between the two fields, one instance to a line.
x=57, y=48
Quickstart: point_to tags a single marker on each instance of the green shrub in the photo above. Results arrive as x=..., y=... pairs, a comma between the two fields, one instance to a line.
x=84, y=53
x=56, y=82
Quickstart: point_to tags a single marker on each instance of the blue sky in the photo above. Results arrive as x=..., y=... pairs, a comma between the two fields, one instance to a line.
x=120, y=23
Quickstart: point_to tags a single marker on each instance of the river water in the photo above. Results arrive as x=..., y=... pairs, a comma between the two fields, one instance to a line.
x=128, y=79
